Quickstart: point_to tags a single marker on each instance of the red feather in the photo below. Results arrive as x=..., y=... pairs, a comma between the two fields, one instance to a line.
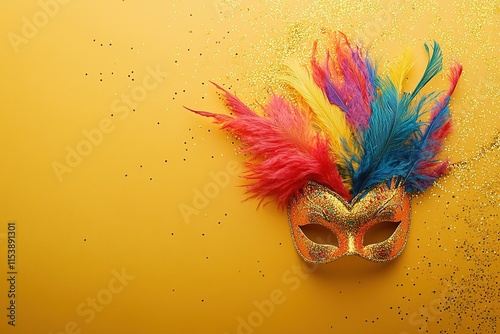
x=455, y=72
x=440, y=134
x=318, y=72
x=286, y=151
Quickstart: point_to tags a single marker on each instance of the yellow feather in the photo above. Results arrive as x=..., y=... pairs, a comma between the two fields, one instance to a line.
x=400, y=69
x=330, y=118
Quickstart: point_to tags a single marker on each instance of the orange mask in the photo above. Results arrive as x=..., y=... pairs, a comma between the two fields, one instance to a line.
x=349, y=222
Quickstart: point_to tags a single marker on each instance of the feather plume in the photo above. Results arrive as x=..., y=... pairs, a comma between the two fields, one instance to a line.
x=286, y=151
x=424, y=168
x=351, y=85
x=356, y=128
x=328, y=117
x=333, y=90
x=385, y=141
x=393, y=136
x=349, y=78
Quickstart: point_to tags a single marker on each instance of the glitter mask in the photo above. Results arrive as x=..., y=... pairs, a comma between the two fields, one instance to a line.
x=349, y=222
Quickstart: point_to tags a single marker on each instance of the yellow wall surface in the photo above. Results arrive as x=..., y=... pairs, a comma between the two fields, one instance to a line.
x=125, y=211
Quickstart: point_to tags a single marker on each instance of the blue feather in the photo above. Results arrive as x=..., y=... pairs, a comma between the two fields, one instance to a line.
x=427, y=146
x=372, y=71
x=393, y=138
x=385, y=142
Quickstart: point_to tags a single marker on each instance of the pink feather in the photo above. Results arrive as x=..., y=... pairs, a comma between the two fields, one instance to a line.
x=285, y=150
x=348, y=77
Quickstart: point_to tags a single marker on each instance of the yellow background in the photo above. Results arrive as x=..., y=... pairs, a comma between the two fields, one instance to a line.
x=190, y=263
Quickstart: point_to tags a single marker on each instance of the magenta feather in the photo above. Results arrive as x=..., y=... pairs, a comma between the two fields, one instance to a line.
x=347, y=80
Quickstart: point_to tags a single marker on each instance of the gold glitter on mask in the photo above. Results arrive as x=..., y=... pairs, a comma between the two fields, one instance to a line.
x=350, y=222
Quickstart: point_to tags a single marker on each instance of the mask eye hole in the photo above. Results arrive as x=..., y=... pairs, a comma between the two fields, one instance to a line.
x=320, y=234
x=380, y=232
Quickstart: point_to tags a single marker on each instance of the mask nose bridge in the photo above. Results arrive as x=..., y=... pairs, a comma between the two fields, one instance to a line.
x=351, y=245
x=351, y=228
x=346, y=230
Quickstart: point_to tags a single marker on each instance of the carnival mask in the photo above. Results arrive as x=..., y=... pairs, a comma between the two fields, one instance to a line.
x=349, y=151
x=349, y=222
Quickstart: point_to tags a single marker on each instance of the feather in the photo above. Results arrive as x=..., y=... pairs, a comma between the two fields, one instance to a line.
x=385, y=141
x=351, y=80
x=399, y=72
x=350, y=86
x=329, y=117
x=424, y=168
x=318, y=72
x=286, y=150
x=333, y=91
x=455, y=73
x=235, y=104
x=434, y=66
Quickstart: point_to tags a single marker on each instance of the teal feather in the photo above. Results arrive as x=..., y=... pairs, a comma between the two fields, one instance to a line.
x=434, y=66
x=387, y=145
